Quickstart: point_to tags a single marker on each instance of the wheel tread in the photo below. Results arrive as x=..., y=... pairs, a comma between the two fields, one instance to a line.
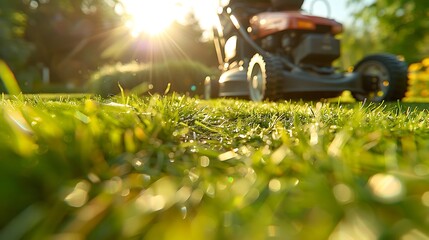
x=274, y=68
x=398, y=72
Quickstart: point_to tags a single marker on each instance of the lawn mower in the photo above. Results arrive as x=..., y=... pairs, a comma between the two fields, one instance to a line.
x=272, y=50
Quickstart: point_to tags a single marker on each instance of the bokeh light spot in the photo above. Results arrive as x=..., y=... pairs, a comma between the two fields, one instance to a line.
x=343, y=193
x=204, y=161
x=386, y=187
x=79, y=196
x=425, y=199
x=275, y=185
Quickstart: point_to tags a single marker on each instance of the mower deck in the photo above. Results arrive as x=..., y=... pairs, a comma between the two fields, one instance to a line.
x=301, y=84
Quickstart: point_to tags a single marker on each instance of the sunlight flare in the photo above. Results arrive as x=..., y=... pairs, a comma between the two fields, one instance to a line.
x=150, y=17
x=154, y=17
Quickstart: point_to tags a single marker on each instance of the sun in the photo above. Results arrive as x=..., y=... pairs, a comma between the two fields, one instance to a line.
x=153, y=17
x=150, y=16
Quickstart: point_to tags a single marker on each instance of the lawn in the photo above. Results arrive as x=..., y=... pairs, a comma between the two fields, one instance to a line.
x=182, y=168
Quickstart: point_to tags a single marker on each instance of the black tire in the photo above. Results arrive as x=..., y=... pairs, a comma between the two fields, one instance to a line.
x=264, y=78
x=385, y=78
x=211, y=88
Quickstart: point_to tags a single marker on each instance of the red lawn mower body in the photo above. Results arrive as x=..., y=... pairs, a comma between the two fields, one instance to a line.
x=272, y=50
x=269, y=23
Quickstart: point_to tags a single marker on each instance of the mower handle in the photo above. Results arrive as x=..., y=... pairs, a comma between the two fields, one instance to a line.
x=236, y=23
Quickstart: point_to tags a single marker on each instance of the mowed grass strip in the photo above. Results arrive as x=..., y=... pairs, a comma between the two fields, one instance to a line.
x=181, y=168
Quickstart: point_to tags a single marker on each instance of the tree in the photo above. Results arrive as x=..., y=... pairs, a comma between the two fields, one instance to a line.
x=68, y=35
x=73, y=38
x=181, y=41
x=397, y=26
x=14, y=50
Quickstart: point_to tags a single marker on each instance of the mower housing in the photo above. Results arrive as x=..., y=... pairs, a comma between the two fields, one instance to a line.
x=272, y=50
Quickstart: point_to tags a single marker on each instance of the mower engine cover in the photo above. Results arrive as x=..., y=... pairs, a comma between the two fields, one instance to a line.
x=268, y=23
x=317, y=49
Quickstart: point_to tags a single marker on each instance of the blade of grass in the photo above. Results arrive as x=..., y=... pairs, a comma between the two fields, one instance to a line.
x=8, y=78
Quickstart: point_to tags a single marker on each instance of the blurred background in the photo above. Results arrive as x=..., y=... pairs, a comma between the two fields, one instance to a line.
x=90, y=45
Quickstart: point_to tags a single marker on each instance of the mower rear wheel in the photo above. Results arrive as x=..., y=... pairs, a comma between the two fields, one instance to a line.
x=385, y=78
x=211, y=88
x=264, y=76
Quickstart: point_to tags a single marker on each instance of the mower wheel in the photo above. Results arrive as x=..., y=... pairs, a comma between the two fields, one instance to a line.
x=211, y=88
x=264, y=76
x=384, y=77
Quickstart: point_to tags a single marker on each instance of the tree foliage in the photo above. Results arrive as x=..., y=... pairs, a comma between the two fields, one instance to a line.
x=74, y=38
x=183, y=41
x=68, y=35
x=397, y=26
x=14, y=50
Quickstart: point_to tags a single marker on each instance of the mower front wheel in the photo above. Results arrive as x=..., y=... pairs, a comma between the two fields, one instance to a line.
x=263, y=76
x=384, y=78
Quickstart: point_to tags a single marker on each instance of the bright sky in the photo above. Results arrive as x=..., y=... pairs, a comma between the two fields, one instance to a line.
x=154, y=16
x=337, y=8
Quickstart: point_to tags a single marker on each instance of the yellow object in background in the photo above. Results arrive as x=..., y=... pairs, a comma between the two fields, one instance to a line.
x=418, y=74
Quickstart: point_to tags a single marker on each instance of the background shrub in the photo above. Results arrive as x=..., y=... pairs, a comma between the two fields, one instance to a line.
x=183, y=77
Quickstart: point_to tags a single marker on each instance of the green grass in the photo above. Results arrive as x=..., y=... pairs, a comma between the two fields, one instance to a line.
x=181, y=168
